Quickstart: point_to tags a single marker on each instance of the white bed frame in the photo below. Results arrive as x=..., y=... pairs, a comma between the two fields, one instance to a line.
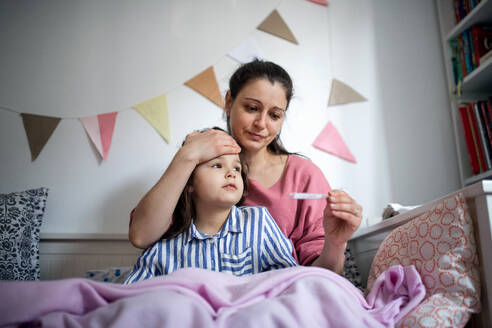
x=71, y=255
x=365, y=242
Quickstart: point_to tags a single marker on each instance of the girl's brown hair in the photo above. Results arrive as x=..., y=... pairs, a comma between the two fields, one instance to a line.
x=185, y=210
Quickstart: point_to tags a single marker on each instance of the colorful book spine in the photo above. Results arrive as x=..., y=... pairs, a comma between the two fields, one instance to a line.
x=488, y=121
x=482, y=135
x=461, y=54
x=469, y=139
x=467, y=53
x=476, y=138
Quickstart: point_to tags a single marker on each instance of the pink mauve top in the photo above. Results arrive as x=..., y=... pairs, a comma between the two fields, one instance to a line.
x=300, y=220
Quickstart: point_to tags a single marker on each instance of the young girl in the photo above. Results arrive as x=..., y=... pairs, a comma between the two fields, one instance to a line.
x=208, y=231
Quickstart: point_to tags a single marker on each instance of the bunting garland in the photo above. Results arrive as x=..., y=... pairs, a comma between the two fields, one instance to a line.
x=320, y=2
x=206, y=84
x=100, y=128
x=155, y=112
x=246, y=51
x=343, y=94
x=329, y=140
x=275, y=25
x=38, y=130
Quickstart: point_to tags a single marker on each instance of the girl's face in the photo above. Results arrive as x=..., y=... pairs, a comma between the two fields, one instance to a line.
x=257, y=113
x=218, y=182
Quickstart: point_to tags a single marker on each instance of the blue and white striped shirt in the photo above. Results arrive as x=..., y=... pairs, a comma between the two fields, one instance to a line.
x=249, y=242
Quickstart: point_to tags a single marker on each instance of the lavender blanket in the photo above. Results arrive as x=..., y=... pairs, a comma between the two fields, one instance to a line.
x=292, y=297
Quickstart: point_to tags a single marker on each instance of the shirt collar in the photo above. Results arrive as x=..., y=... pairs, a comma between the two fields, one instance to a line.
x=232, y=224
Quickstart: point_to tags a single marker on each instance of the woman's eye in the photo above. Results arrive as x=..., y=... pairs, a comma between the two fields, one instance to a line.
x=275, y=116
x=251, y=108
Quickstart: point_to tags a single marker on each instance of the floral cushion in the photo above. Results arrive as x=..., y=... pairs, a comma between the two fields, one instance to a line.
x=441, y=245
x=21, y=215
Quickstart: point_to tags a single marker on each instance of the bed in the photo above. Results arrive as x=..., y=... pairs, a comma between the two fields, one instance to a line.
x=75, y=256
x=366, y=241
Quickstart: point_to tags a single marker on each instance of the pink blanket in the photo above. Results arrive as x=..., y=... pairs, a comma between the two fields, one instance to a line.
x=292, y=297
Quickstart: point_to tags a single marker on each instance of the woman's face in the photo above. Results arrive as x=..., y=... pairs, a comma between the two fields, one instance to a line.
x=257, y=113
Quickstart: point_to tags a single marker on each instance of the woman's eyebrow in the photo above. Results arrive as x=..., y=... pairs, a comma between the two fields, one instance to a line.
x=259, y=102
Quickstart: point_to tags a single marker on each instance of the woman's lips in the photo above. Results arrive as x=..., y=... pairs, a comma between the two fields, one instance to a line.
x=255, y=136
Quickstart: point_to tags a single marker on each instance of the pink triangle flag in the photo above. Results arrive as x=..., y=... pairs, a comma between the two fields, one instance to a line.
x=329, y=140
x=100, y=130
x=106, y=128
x=320, y=2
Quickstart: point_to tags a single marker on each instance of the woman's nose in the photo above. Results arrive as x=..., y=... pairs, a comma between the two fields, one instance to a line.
x=260, y=120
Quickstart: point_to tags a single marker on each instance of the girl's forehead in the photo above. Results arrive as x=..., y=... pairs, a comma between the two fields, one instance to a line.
x=225, y=158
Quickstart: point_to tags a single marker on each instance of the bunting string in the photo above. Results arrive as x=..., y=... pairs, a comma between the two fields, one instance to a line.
x=100, y=127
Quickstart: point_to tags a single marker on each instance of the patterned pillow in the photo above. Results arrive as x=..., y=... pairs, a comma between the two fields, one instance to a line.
x=115, y=275
x=441, y=245
x=21, y=215
x=350, y=269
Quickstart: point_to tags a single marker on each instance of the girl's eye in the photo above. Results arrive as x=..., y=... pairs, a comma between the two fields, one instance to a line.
x=217, y=166
x=238, y=169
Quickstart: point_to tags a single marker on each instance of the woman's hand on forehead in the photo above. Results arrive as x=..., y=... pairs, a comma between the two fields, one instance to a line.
x=204, y=146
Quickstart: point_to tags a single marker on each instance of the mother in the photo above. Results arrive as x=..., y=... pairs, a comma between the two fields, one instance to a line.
x=256, y=105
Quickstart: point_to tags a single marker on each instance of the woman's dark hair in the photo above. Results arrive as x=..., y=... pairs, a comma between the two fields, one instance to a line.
x=185, y=210
x=259, y=69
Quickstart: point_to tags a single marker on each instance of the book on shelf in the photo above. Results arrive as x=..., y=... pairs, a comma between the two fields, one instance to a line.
x=463, y=8
x=476, y=137
x=470, y=49
x=482, y=42
x=476, y=119
x=470, y=146
x=487, y=116
x=482, y=135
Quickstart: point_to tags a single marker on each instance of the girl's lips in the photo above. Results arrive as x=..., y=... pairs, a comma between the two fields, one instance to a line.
x=230, y=187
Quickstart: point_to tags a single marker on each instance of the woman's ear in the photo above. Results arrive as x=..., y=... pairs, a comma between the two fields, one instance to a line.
x=228, y=103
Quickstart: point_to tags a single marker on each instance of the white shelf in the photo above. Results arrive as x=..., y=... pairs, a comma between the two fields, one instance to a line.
x=481, y=14
x=480, y=79
x=479, y=177
x=475, y=86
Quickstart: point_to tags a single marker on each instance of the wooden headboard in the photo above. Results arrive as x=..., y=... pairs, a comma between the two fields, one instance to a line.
x=365, y=242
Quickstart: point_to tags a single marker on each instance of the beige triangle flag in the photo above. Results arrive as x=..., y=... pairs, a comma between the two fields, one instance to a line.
x=274, y=24
x=39, y=129
x=155, y=112
x=343, y=94
x=206, y=84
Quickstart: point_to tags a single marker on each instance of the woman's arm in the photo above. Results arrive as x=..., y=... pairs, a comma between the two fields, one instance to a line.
x=341, y=218
x=154, y=212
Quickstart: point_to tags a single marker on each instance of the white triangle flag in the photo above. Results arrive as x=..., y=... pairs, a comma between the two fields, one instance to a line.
x=246, y=51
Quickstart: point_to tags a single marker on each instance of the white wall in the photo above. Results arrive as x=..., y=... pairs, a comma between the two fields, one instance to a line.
x=79, y=58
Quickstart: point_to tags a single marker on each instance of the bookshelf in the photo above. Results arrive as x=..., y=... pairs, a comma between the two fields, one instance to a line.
x=477, y=85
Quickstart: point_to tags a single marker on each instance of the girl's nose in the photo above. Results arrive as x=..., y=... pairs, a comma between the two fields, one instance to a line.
x=231, y=174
